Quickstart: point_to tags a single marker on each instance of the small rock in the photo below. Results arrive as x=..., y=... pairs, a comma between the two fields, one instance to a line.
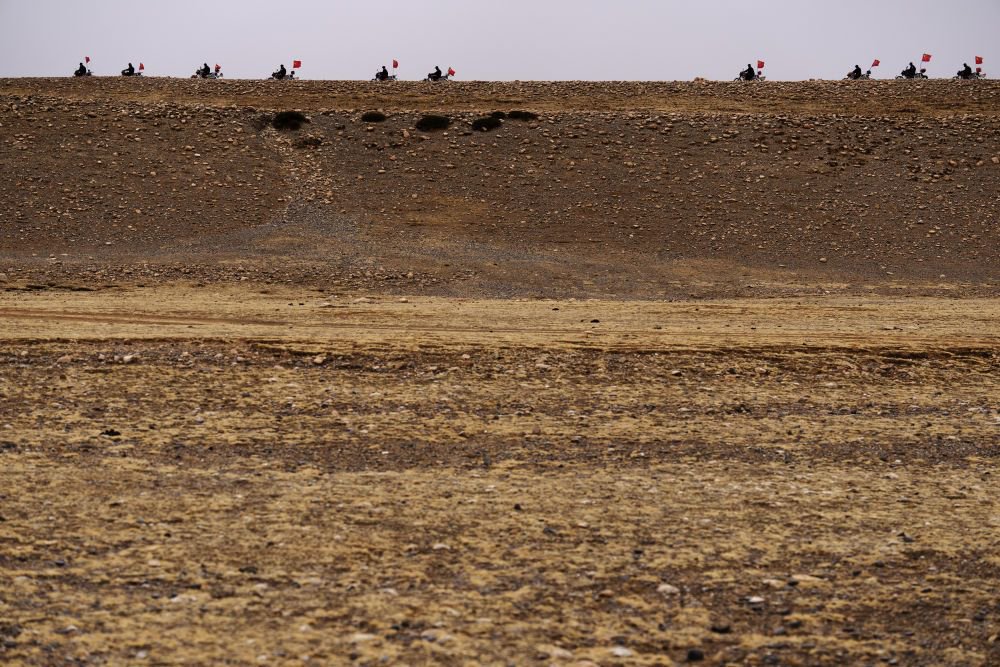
x=555, y=652
x=695, y=655
x=129, y=358
x=667, y=589
x=65, y=359
x=621, y=652
x=319, y=359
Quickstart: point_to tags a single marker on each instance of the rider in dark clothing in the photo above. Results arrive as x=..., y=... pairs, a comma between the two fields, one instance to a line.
x=204, y=71
x=80, y=71
x=382, y=75
x=856, y=74
x=280, y=74
x=965, y=72
x=748, y=74
x=910, y=71
x=436, y=74
x=129, y=71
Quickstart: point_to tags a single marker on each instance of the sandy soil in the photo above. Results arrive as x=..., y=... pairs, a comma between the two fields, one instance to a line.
x=273, y=475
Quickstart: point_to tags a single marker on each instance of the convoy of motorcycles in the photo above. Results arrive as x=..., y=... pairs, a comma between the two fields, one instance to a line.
x=382, y=75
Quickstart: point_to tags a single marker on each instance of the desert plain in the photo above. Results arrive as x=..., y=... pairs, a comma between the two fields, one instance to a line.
x=650, y=373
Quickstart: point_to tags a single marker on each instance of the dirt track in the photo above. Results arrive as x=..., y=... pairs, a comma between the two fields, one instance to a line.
x=673, y=373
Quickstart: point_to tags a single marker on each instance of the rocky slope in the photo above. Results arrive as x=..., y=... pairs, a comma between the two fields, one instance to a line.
x=619, y=188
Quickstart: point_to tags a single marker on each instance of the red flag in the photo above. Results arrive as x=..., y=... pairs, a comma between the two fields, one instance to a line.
x=451, y=72
x=979, y=60
x=296, y=64
x=760, y=64
x=141, y=66
x=87, y=58
x=926, y=58
x=395, y=63
x=876, y=63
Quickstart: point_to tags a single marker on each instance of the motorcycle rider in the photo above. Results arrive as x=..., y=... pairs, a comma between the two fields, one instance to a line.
x=436, y=74
x=204, y=71
x=382, y=75
x=129, y=71
x=748, y=74
x=80, y=71
x=855, y=73
x=910, y=71
x=280, y=74
x=965, y=72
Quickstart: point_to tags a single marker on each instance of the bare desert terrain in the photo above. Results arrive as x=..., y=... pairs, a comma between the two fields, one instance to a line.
x=649, y=374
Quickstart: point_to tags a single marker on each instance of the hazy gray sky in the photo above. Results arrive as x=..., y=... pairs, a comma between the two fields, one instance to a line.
x=503, y=39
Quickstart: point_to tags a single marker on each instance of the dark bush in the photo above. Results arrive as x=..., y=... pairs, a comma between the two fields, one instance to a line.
x=373, y=117
x=522, y=115
x=498, y=114
x=288, y=120
x=432, y=123
x=486, y=124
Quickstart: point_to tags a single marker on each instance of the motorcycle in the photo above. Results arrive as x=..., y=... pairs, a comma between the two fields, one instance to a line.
x=922, y=74
x=863, y=77
x=287, y=77
x=745, y=77
x=443, y=77
x=975, y=76
x=211, y=75
x=391, y=77
x=87, y=73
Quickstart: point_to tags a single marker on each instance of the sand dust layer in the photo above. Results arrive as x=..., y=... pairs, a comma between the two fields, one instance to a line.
x=273, y=476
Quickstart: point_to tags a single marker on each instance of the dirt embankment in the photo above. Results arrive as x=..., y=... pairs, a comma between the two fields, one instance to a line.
x=620, y=190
